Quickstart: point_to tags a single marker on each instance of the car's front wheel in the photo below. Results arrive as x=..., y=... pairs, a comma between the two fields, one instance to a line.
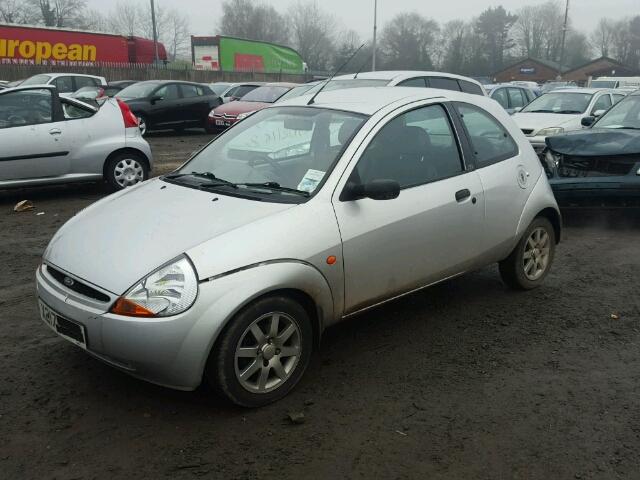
x=530, y=262
x=262, y=353
x=125, y=170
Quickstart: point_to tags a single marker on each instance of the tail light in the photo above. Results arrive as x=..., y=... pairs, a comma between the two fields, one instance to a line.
x=129, y=118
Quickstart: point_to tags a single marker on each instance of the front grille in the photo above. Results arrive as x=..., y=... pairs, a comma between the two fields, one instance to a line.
x=77, y=286
x=527, y=131
x=612, y=166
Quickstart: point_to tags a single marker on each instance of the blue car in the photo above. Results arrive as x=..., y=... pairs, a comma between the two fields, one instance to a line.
x=601, y=163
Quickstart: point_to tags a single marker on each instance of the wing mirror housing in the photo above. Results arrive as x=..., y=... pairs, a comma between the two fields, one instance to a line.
x=382, y=189
x=598, y=113
x=517, y=109
x=588, y=121
x=154, y=99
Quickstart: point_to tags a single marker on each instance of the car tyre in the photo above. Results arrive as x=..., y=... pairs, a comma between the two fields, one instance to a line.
x=530, y=261
x=258, y=360
x=142, y=124
x=125, y=170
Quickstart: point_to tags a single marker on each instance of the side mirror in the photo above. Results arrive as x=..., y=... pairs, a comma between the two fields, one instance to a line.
x=155, y=98
x=587, y=121
x=234, y=99
x=517, y=109
x=598, y=113
x=375, y=190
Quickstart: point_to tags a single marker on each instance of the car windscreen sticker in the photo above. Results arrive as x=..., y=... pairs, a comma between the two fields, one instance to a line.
x=311, y=180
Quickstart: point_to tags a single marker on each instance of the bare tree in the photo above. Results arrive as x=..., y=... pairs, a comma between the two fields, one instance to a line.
x=124, y=19
x=60, y=13
x=313, y=32
x=177, y=35
x=602, y=37
x=255, y=21
x=17, y=11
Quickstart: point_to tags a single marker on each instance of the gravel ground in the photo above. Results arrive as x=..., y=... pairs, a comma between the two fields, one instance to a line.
x=466, y=380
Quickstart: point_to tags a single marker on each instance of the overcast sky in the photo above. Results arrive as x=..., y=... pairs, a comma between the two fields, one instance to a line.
x=358, y=14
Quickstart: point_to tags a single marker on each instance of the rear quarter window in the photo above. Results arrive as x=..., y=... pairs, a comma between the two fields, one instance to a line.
x=468, y=87
x=444, y=83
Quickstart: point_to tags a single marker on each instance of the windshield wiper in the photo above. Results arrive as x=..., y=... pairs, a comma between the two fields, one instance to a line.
x=277, y=187
x=568, y=111
x=539, y=111
x=215, y=181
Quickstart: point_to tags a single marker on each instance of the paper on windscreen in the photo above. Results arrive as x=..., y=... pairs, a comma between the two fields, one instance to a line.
x=311, y=180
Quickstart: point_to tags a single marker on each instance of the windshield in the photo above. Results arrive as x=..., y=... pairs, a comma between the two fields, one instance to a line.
x=560, y=102
x=624, y=114
x=219, y=88
x=282, y=153
x=36, y=80
x=138, y=90
x=265, y=94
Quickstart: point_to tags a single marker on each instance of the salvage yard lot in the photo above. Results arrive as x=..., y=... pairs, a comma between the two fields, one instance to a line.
x=465, y=380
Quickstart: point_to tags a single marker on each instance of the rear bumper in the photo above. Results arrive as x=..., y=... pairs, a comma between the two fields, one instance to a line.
x=138, y=143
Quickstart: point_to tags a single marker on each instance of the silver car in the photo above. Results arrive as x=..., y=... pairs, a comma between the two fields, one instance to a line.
x=47, y=139
x=298, y=217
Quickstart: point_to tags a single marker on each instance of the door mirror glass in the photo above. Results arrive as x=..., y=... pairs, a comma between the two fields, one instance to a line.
x=382, y=189
x=156, y=98
x=598, y=113
x=587, y=121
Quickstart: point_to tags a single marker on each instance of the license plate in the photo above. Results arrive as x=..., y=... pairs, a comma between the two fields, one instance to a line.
x=71, y=331
x=222, y=123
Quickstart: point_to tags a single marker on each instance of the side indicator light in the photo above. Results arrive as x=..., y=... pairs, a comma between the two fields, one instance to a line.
x=331, y=260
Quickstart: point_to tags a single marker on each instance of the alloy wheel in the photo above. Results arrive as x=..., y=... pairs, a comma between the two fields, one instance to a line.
x=128, y=172
x=268, y=352
x=536, y=254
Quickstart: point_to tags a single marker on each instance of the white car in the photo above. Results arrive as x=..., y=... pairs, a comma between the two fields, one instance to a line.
x=390, y=78
x=66, y=83
x=230, y=92
x=47, y=139
x=562, y=111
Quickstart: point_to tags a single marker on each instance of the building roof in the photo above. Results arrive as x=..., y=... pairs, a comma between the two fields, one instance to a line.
x=547, y=63
x=595, y=60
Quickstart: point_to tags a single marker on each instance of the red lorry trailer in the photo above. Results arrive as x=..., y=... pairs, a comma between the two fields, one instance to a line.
x=21, y=44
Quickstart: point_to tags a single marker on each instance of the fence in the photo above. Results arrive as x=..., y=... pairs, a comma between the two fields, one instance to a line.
x=12, y=72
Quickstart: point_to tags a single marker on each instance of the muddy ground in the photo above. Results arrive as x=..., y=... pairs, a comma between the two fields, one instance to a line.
x=466, y=380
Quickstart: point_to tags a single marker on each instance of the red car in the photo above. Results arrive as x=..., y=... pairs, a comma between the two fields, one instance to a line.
x=225, y=115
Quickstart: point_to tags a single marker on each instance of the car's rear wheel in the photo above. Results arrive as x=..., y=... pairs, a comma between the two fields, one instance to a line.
x=263, y=352
x=125, y=170
x=142, y=124
x=530, y=262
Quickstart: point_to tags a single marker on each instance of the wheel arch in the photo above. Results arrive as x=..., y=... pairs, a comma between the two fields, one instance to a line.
x=555, y=218
x=125, y=150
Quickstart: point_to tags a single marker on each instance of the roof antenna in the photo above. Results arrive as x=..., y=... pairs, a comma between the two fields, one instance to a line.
x=362, y=66
x=311, y=101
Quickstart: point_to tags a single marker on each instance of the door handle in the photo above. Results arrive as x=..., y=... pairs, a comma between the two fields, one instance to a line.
x=462, y=195
x=55, y=131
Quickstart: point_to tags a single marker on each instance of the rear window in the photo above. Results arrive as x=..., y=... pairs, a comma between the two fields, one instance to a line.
x=36, y=80
x=265, y=94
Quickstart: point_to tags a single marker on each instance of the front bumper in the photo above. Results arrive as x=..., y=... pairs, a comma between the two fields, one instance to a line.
x=220, y=123
x=170, y=351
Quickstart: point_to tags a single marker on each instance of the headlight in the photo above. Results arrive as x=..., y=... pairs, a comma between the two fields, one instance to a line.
x=547, y=132
x=170, y=290
x=551, y=162
x=245, y=115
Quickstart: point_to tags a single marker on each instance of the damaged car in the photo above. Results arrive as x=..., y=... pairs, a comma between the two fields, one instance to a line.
x=600, y=164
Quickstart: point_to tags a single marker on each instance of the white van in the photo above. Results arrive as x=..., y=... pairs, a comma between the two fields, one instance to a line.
x=615, y=82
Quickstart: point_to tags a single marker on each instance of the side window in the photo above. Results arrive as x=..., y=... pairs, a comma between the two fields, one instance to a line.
x=414, y=148
x=490, y=141
x=168, y=92
x=243, y=90
x=444, y=83
x=232, y=92
x=26, y=107
x=189, y=91
x=85, y=82
x=517, y=98
x=469, y=87
x=413, y=82
x=72, y=112
x=603, y=103
x=500, y=96
x=64, y=84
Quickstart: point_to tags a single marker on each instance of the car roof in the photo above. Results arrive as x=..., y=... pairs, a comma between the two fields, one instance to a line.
x=369, y=100
x=582, y=90
x=28, y=87
x=281, y=84
x=401, y=75
x=69, y=74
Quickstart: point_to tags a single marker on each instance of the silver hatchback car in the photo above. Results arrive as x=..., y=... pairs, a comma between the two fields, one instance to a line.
x=298, y=217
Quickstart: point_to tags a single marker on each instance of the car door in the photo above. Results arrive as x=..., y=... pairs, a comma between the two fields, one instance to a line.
x=195, y=106
x=517, y=99
x=506, y=178
x=166, y=105
x=33, y=136
x=500, y=96
x=432, y=230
